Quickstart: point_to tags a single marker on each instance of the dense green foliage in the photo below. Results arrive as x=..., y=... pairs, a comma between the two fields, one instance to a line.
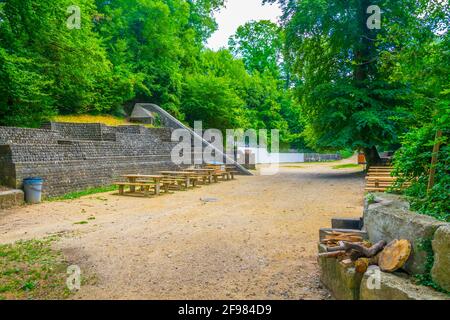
x=412, y=162
x=376, y=89
x=47, y=68
x=127, y=52
x=260, y=45
x=346, y=69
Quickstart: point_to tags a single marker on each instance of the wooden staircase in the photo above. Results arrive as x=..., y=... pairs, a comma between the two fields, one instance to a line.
x=380, y=179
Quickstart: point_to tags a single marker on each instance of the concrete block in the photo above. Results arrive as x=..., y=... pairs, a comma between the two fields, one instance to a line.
x=441, y=248
x=11, y=198
x=347, y=223
x=394, y=287
x=389, y=218
x=342, y=281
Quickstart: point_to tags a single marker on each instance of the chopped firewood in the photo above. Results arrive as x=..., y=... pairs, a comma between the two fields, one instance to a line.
x=339, y=247
x=355, y=255
x=367, y=244
x=347, y=262
x=335, y=254
x=361, y=265
x=344, y=238
x=357, y=250
x=335, y=233
x=395, y=255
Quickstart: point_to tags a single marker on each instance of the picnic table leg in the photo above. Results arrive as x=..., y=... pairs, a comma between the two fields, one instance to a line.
x=146, y=191
x=188, y=183
x=158, y=188
x=166, y=187
x=132, y=188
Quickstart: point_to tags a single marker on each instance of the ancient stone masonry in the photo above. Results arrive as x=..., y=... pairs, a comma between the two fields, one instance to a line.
x=73, y=157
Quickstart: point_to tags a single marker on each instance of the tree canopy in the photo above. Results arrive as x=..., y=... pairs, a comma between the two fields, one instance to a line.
x=145, y=51
x=345, y=76
x=260, y=45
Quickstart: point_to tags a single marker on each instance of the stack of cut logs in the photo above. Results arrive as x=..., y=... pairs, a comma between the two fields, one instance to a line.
x=351, y=249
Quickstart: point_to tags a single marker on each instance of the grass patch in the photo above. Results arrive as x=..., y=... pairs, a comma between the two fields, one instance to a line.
x=32, y=270
x=108, y=120
x=83, y=193
x=81, y=222
x=295, y=167
x=86, y=118
x=347, y=166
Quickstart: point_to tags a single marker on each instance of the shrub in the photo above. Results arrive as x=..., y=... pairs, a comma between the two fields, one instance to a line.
x=413, y=161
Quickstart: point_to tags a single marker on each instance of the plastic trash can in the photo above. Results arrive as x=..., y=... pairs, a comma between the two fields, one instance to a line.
x=33, y=189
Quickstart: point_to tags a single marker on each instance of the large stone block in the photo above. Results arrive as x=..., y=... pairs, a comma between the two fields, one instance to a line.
x=11, y=198
x=342, y=281
x=347, y=223
x=394, y=287
x=441, y=248
x=389, y=218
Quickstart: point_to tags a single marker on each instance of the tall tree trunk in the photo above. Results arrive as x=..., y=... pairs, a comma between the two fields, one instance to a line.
x=364, y=47
x=365, y=52
x=372, y=156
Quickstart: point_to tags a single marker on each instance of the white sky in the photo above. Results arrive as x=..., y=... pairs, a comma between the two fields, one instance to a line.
x=237, y=13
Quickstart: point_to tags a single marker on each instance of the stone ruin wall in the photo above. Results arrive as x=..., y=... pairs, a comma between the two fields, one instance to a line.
x=72, y=157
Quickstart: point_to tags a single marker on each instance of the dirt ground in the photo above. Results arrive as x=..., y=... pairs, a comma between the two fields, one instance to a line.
x=257, y=241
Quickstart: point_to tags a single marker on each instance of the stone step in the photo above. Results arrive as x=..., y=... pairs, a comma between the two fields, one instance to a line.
x=11, y=198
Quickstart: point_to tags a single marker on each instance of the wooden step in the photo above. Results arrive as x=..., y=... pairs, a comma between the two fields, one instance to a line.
x=382, y=178
x=376, y=189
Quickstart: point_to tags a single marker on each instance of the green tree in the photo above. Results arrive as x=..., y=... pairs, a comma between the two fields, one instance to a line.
x=216, y=94
x=268, y=95
x=157, y=42
x=68, y=67
x=347, y=98
x=259, y=44
x=201, y=17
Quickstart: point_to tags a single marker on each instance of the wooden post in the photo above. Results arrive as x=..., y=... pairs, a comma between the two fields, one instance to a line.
x=434, y=159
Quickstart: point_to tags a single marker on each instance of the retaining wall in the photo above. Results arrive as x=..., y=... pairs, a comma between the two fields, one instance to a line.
x=72, y=157
x=318, y=157
x=390, y=218
x=11, y=198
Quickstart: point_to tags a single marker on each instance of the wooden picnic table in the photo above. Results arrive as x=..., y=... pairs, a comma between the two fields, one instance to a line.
x=204, y=172
x=132, y=178
x=177, y=173
x=221, y=170
x=184, y=174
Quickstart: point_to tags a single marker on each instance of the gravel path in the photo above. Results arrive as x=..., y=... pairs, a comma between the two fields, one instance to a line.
x=257, y=241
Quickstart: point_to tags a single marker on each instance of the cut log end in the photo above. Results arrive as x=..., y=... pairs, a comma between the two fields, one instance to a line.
x=395, y=255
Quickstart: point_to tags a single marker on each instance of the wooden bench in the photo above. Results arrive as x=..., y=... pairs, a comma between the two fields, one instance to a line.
x=222, y=174
x=187, y=177
x=233, y=173
x=176, y=183
x=145, y=187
